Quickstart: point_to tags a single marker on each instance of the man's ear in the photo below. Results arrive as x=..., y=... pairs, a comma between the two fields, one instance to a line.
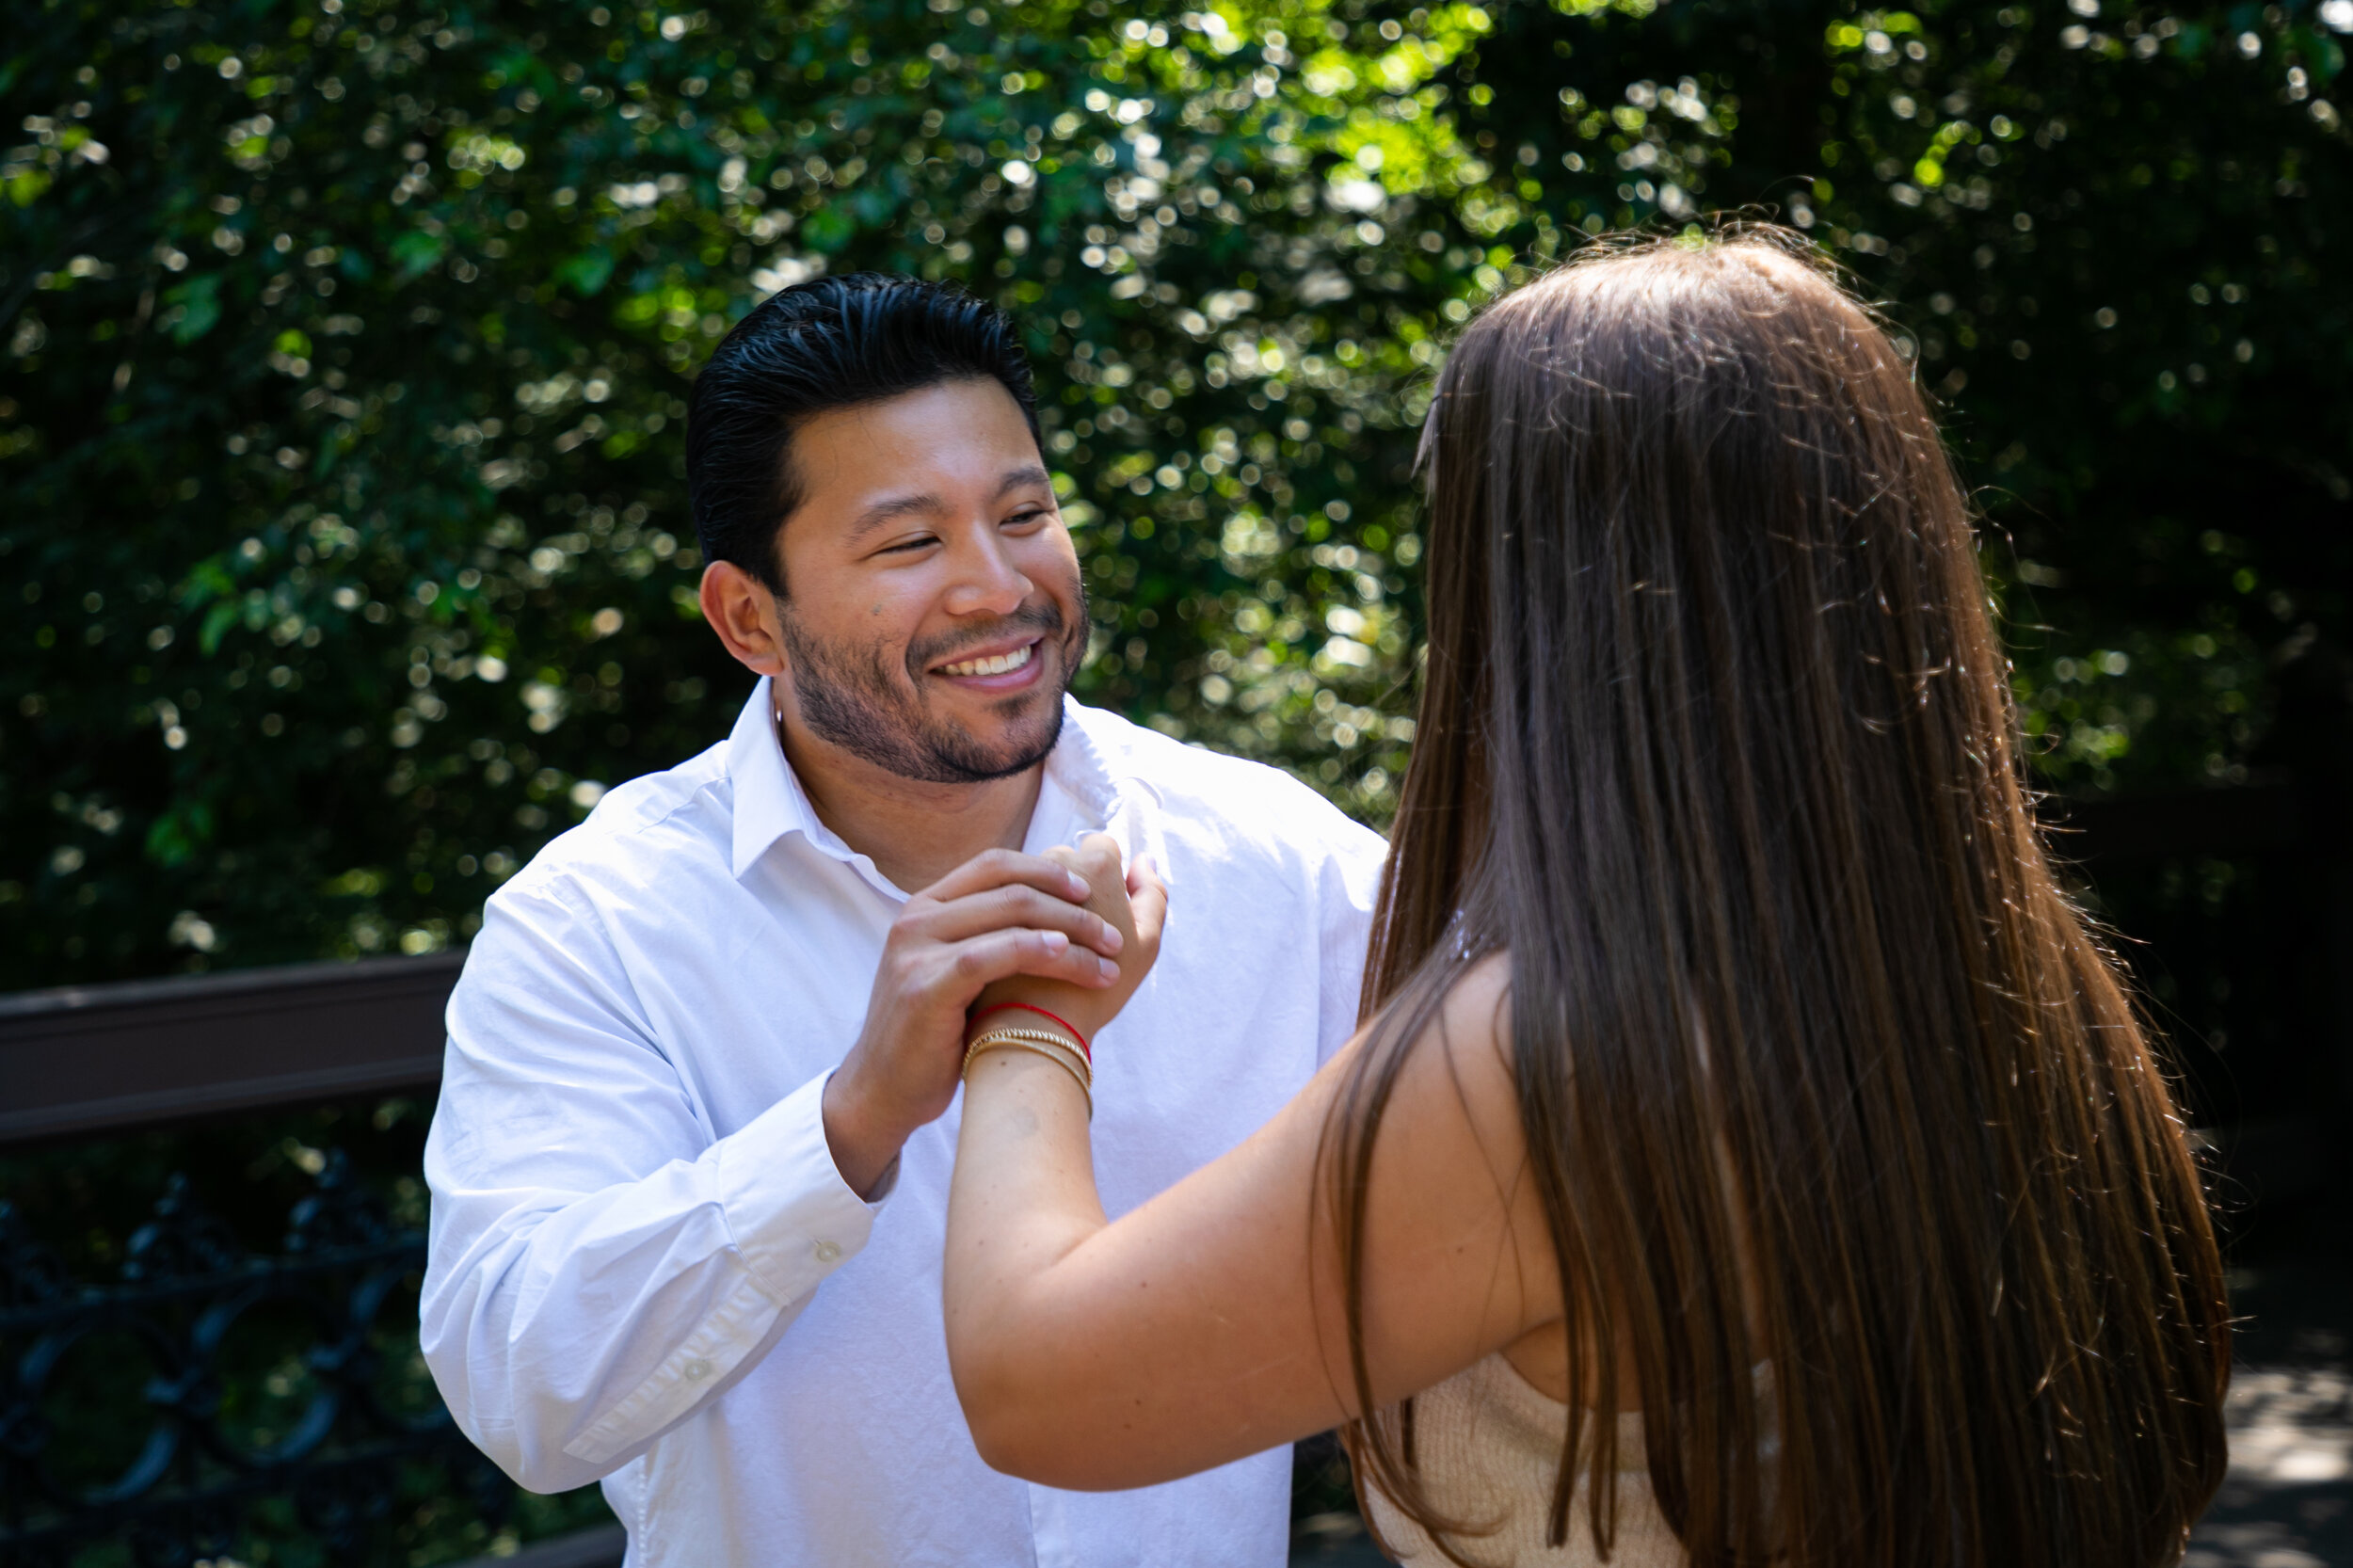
x=742, y=610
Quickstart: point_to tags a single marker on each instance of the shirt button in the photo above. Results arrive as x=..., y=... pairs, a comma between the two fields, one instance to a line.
x=698, y=1369
x=827, y=1252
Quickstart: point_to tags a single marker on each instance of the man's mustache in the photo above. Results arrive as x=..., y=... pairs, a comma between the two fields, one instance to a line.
x=1045, y=616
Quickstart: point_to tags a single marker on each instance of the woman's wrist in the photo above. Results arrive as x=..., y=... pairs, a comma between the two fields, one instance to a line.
x=990, y=1016
x=1031, y=1038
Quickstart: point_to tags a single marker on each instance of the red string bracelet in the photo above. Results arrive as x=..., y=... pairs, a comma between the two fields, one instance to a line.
x=1023, y=1006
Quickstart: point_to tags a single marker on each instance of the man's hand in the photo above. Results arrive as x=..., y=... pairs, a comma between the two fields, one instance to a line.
x=997, y=915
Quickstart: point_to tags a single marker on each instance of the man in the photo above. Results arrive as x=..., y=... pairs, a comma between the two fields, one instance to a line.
x=690, y=1166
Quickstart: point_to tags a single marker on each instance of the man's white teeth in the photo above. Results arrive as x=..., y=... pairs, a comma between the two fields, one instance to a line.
x=997, y=666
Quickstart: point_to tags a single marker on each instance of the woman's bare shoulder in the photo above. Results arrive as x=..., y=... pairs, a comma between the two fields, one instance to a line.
x=1458, y=1256
x=1461, y=1056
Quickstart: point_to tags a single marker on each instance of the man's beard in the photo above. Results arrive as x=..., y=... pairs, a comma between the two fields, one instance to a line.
x=847, y=695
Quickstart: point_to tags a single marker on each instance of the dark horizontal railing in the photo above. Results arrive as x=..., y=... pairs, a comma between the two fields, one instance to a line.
x=90, y=1059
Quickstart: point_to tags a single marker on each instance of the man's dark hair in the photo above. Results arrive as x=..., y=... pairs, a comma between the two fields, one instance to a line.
x=831, y=342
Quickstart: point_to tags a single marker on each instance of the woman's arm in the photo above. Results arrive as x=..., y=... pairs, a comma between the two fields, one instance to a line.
x=1208, y=1324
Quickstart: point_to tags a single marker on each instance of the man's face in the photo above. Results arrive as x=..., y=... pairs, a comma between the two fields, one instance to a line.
x=932, y=616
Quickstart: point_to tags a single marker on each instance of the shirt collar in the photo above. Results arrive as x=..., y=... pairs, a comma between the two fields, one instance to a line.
x=769, y=800
x=770, y=803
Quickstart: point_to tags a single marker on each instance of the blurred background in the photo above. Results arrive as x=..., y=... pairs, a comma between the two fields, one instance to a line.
x=346, y=561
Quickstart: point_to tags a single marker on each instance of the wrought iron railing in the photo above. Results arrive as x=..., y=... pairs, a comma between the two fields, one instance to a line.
x=289, y=1375
x=152, y=1416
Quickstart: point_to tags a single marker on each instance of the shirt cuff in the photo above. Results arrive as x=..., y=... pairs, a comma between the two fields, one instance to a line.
x=794, y=1220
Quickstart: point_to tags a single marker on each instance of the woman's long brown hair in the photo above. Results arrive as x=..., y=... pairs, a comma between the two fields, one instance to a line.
x=1820, y=1070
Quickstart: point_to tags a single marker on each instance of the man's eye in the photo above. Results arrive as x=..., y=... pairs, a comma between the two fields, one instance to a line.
x=904, y=546
x=1021, y=519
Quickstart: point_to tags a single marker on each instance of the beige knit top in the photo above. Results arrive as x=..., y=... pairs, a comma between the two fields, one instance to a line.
x=1487, y=1445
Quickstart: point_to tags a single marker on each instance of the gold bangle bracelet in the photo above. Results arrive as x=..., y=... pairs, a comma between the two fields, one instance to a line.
x=1060, y=1057
x=1039, y=1044
x=1039, y=1036
x=1036, y=1039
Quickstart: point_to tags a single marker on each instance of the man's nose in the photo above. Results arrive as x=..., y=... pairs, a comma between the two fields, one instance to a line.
x=988, y=581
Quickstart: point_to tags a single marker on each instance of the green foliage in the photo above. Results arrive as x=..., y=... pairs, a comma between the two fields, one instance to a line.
x=348, y=341
x=2114, y=237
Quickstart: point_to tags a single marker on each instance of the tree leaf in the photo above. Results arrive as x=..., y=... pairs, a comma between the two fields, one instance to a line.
x=197, y=301
x=587, y=272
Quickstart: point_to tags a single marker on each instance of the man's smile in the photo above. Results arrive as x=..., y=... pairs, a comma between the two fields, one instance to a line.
x=999, y=669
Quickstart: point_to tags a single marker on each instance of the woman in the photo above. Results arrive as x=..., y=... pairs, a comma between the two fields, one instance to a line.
x=1749, y=1154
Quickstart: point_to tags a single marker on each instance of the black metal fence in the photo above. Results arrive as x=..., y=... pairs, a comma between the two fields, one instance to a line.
x=2232, y=904
x=2235, y=910
x=204, y=1392
x=175, y=1392
x=236, y=1378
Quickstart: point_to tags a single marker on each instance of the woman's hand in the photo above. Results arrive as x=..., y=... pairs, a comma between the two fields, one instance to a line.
x=1135, y=906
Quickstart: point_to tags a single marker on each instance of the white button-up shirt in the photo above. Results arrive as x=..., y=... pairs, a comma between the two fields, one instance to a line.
x=646, y=1269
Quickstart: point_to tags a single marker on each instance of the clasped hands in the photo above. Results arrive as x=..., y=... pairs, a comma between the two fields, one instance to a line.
x=1066, y=931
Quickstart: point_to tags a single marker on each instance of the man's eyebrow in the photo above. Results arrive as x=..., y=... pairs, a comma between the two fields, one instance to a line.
x=1028, y=473
x=890, y=510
